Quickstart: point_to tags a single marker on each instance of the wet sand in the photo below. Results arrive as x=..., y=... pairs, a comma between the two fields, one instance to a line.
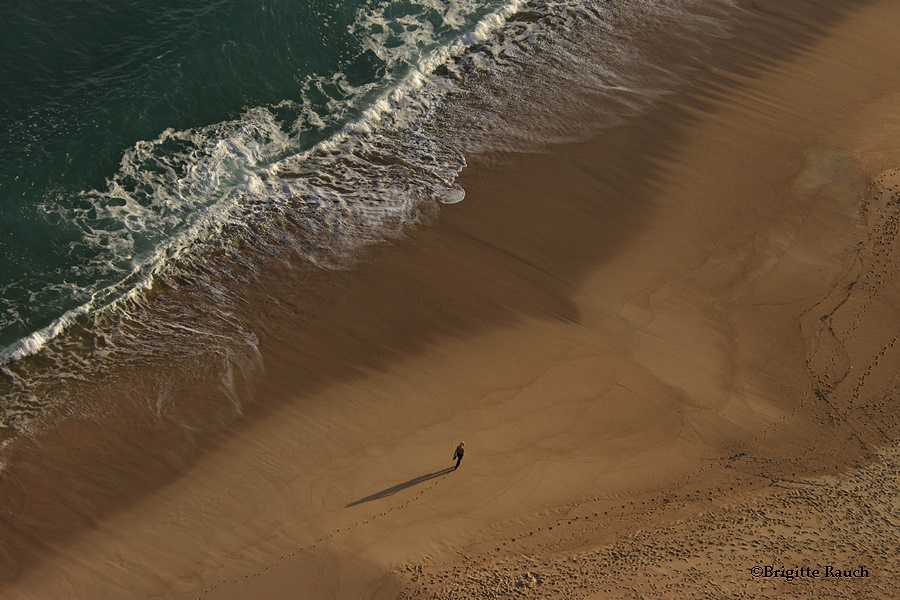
x=671, y=352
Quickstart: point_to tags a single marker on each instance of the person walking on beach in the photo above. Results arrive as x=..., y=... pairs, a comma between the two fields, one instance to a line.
x=457, y=456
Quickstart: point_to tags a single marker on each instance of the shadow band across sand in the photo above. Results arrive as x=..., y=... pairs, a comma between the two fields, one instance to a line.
x=400, y=487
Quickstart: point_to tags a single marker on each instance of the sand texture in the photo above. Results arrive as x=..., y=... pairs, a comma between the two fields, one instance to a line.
x=696, y=544
x=671, y=351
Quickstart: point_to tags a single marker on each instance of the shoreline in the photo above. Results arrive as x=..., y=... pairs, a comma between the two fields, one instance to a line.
x=583, y=366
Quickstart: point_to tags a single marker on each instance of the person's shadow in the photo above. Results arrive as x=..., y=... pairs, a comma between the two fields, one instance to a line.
x=400, y=486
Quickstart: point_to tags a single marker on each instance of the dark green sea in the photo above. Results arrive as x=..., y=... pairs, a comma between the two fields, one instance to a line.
x=125, y=122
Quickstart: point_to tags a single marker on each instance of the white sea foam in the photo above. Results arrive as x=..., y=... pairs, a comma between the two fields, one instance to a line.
x=184, y=186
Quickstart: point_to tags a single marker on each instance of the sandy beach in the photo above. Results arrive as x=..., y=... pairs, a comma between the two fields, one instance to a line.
x=671, y=351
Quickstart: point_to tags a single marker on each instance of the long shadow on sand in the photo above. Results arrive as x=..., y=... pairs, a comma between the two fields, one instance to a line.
x=400, y=486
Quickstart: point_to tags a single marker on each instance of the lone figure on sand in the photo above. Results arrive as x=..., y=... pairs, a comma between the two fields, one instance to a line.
x=457, y=456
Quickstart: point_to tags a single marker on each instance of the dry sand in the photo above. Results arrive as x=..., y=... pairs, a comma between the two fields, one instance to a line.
x=671, y=352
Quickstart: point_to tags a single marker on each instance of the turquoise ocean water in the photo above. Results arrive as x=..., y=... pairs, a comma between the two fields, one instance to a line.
x=142, y=138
